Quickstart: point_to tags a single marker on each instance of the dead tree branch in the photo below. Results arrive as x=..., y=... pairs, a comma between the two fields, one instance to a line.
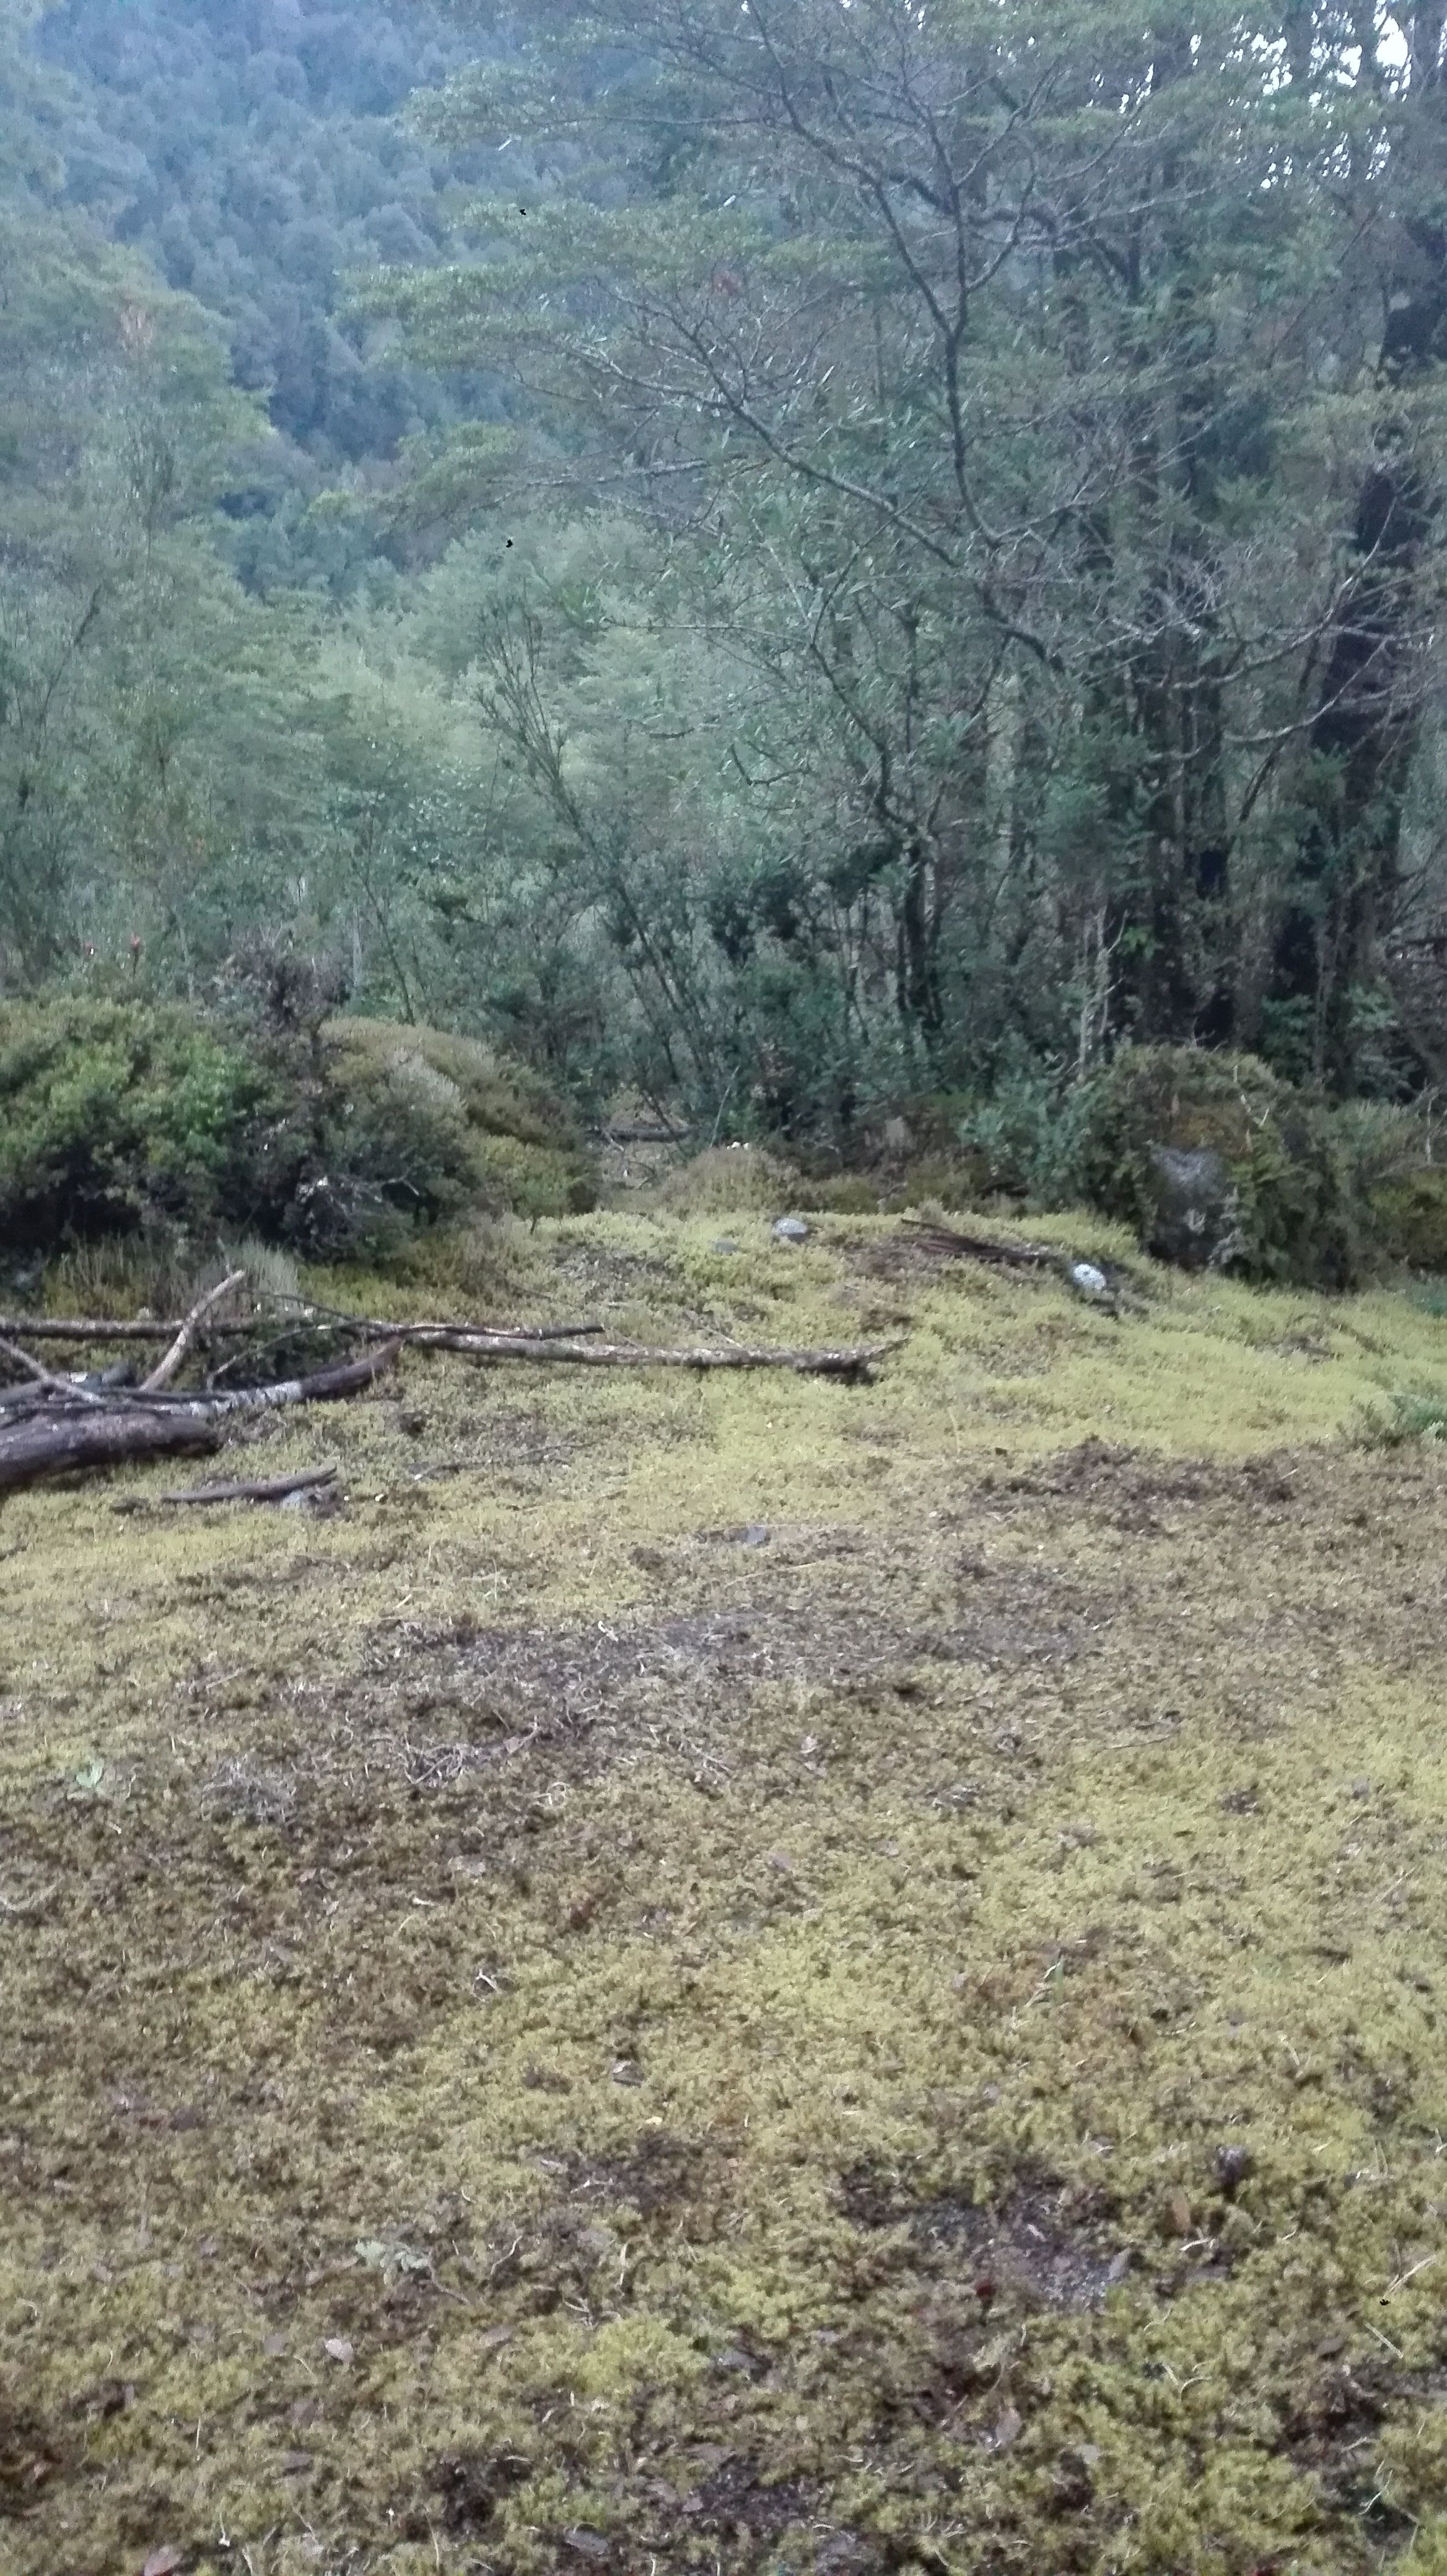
x=170, y=1366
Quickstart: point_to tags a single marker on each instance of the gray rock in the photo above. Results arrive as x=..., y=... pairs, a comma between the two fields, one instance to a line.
x=1193, y=1212
x=790, y=1229
x=1090, y=1281
x=724, y=1243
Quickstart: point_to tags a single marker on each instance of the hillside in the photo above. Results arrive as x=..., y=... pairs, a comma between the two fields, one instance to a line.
x=745, y=1974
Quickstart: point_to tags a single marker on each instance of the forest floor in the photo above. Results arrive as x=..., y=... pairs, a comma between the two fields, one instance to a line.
x=739, y=1973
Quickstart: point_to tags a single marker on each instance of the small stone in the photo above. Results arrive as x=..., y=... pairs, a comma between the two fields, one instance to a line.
x=790, y=1229
x=756, y=1535
x=1090, y=1282
x=1361, y=1788
x=337, y=2348
x=724, y=1244
x=1233, y=2164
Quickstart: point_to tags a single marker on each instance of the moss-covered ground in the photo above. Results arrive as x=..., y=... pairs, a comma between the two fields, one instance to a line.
x=738, y=1973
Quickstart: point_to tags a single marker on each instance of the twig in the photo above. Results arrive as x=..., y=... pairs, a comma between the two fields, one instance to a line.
x=169, y=1367
x=261, y=1489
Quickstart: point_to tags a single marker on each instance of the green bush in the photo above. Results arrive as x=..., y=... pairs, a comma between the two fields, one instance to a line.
x=116, y=1116
x=134, y=1119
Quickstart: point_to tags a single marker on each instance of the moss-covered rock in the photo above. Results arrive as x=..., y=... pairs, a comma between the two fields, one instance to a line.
x=1215, y=1161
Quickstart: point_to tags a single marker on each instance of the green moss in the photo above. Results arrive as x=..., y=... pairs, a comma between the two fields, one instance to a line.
x=707, y=1961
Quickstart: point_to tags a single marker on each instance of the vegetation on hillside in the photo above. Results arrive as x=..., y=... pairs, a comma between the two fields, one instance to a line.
x=867, y=568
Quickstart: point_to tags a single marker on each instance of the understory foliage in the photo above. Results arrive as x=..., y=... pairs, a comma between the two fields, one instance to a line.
x=339, y=1140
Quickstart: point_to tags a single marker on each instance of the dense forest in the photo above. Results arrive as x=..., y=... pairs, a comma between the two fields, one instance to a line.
x=790, y=564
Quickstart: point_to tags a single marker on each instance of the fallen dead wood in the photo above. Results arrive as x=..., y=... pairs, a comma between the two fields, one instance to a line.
x=36, y=1376
x=369, y=1328
x=170, y=1366
x=341, y=1377
x=55, y=1442
x=65, y=1433
x=982, y=1247
x=848, y=1363
x=99, y=1328
x=259, y=1489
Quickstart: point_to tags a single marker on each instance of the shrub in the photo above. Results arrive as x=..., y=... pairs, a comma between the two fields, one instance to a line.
x=118, y=1116
x=127, y=1119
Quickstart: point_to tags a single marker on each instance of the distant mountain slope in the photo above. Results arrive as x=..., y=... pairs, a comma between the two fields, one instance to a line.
x=248, y=148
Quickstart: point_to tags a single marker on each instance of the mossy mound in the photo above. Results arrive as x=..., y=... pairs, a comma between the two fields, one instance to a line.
x=731, y=1180
x=461, y=1129
x=1408, y=1219
x=1279, y=1199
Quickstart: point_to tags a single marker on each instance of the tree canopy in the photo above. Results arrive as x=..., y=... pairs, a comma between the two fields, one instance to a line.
x=794, y=558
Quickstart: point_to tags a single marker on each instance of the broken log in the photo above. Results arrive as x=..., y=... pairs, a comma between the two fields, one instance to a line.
x=54, y=1443
x=61, y=1436
x=258, y=1489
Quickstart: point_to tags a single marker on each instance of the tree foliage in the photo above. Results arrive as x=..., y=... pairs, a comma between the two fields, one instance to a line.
x=869, y=554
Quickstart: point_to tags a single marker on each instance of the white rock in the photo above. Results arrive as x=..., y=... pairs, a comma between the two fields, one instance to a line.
x=790, y=1229
x=1090, y=1281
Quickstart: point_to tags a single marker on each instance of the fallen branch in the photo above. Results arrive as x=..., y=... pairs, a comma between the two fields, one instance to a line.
x=97, y=1328
x=170, y=1366
x=261, y=1489
x=849, y=1363
x=983, y=1247
x=373, y=1328
x=342, y=1377
x=439, y=1336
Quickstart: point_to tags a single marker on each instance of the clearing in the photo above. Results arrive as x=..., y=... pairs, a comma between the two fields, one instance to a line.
x=740, y=1973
